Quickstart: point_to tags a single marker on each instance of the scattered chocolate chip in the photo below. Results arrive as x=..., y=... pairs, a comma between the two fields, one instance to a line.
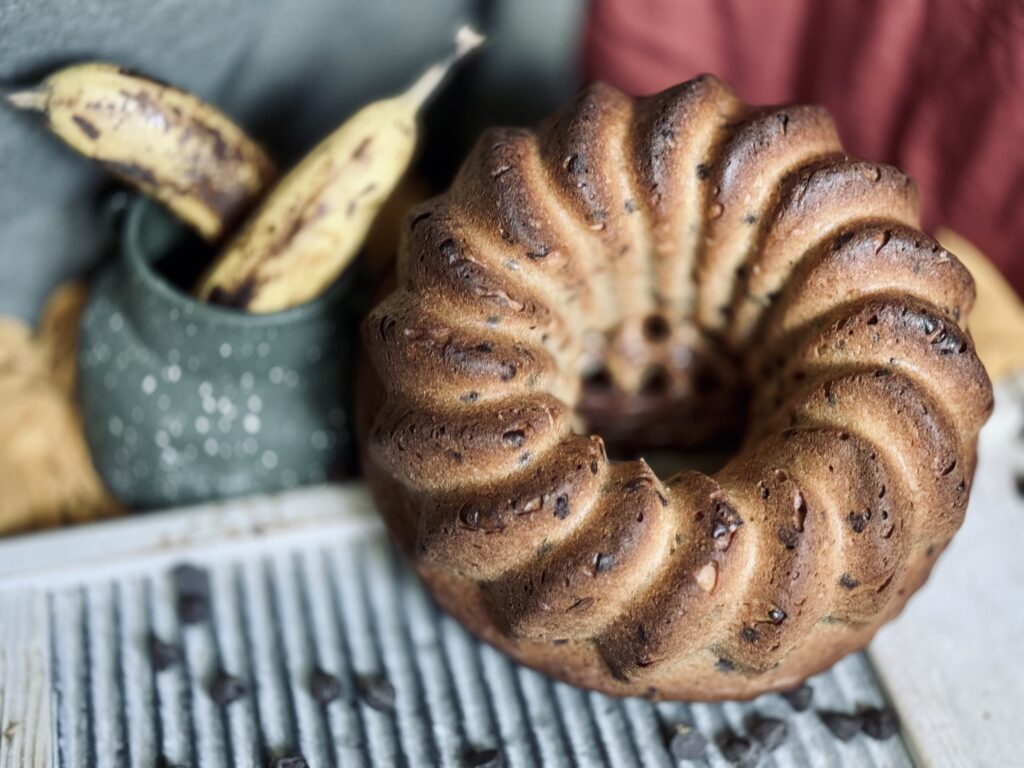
x=799, y=698
x=192, y=586
x=290, y=761
x=880, y=724
x=842, y=725
x=703, y=172
x=769, y=732
x=378, y=693
x=846, y=581
x=324, y=686
x=750, y=634
x=741, y=752
x=724, y=665
x=190, y=580
x=163, y=655
x=226, y=689
x=603, y=562
x=484, y=758
x=687, y=743
x=193, y=609
x=777, y=615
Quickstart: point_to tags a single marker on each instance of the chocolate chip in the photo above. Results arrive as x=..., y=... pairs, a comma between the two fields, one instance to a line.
x=750, y=634
x=842, y=725
x=324, y=686
x=193, y=609
x=769, y=732
x=703, y=172
x=726, y=520
x=859, y=521
x=777, y=615
x=880, y=724
x=741, y=752
x=192, y=586
x=687, y=743
x=846, y=581
x=378, y=693
x=290, y=761
x=799, y=698
x=575, y=164
x=190, y=580
x=226, y=689
x=163, y=655
x=789, y=537
x=603, y=563
x=724, y=665
x=514, y=438
x=484, y=758
x=562, y=507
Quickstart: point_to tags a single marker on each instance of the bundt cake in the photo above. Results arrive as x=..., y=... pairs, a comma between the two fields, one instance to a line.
x=660, y=271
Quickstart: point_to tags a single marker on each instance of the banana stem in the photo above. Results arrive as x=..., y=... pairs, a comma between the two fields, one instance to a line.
x=467, y=39
x=35, y=99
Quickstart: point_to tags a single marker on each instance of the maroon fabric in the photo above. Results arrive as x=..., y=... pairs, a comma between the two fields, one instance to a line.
x=933, y=86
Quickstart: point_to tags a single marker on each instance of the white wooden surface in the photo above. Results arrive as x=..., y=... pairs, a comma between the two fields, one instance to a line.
x=26, y=737
x=951, y=663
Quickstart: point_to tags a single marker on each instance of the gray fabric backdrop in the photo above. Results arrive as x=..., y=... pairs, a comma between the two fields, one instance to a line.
x=290, y=71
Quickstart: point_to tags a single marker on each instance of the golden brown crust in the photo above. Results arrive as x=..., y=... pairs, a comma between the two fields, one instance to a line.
x=577, y=275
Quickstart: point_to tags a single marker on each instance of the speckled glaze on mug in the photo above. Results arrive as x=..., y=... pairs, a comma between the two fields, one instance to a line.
x=185, y=401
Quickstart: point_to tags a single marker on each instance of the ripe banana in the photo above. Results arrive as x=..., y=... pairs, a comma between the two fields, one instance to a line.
x=169, y=144
x=315, y=220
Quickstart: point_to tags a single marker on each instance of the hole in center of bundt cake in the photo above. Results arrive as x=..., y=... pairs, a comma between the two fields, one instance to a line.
x=654, y=383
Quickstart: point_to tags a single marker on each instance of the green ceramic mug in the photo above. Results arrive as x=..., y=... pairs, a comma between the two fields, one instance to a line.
x=185, y=401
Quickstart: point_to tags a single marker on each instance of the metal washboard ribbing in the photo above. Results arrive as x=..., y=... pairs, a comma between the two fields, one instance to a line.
x=352, y=608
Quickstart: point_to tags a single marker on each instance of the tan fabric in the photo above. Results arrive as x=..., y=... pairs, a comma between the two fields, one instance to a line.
x=46, y=472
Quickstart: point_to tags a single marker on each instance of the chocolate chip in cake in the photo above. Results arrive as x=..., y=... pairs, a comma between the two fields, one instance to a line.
x=562, y=507
x=769, y=732
x=603, y=562
x=843, y=726
x=724, y=665
x=846, y=581
x=290, y=761
x=378, y=693
x=777, y=615
x=163, y=655
x=799, y=698
x=484, y=758
x=324, y=686
x=687, y=743
x=880, y=724
x=741, y=752
x=226, y=689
